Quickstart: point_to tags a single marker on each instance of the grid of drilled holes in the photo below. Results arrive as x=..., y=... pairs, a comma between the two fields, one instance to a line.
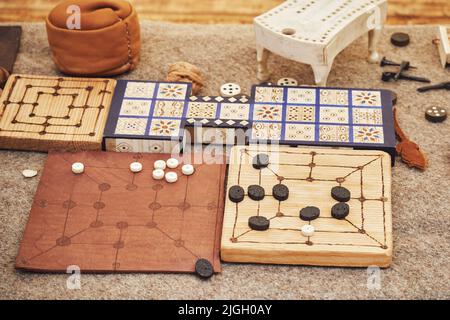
x=323, y=38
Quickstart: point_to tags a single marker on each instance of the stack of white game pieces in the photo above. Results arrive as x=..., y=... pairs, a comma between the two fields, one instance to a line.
x=171, y=176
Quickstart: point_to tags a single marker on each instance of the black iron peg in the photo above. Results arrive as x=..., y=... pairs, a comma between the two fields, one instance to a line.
x=402, y=68
x=388, y=76
x=439, y=86
x=385, y=62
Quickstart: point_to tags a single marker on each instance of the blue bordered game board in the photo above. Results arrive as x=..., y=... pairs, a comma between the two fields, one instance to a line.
x=148, y=110
x=320, y=116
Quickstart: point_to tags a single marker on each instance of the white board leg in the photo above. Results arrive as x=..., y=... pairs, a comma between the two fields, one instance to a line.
x=321, y=73
x=374, y=37
x=262, y=55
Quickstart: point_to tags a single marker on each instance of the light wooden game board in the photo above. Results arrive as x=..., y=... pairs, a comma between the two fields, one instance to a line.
x=44, y=113
x=363, y=238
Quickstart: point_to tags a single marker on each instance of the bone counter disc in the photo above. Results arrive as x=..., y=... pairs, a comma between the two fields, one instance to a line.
x=159, y=164
x=187, y=169
x=28, y=173
x=77, y=167
x=158, y=174
x=171, y=177
x=307, y=230
x=172, y=163
x=136, y=167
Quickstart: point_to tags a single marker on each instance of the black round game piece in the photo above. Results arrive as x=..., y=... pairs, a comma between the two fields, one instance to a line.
x=260, y=161
x=435, y=114
x=393, y=97
x=236, y=194
x=400, y=39
x=204, y=268
x=340, y=194
x=258, y=223
x=340, y=210
x=309, y=213
x=280, y=192
x=256, y=192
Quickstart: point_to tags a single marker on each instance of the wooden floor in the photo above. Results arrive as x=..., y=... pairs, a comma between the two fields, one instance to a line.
x=227, y=11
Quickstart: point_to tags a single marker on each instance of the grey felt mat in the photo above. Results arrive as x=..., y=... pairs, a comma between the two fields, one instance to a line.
x=421, y=214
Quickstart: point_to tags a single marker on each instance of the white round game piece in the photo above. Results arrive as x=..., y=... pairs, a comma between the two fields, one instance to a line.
x=307, y=230
x=28, y=173
x=158, y=174
x=159, y=164
x=228, y=90
x=187, y=169
x=135, y=167
x=287, y=82
x=171, y=177
x=172, y=163
x=77, y=167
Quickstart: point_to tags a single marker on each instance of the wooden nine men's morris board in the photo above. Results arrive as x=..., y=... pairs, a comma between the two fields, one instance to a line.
x=363, y=238
x=54, y=113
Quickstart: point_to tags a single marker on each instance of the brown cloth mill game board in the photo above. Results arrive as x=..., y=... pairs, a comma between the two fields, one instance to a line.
x=109, y=219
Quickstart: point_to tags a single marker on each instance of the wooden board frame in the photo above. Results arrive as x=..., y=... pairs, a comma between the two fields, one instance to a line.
x=364, y=238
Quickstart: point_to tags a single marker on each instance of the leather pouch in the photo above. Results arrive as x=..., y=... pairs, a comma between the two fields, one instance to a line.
x=105, y=42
